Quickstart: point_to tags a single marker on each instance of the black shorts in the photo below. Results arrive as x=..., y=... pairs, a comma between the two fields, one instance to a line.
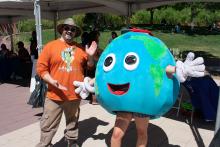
x=140, y=115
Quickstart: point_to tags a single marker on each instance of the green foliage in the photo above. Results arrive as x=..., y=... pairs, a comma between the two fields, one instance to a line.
x=47, y=24
x=182, y=13
x=29, y=25
x=202, y=14
x=26, y=25
x=113, y=21
x=171, y=15
x=184, y=17
x=216, y=15
x=157, y=16
x=141, y=17
x=181, y=42
x=79, y=19
x=102, y=21
x=204, y=17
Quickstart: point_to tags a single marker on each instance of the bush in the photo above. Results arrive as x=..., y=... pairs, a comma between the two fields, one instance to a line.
x=141, y=17
x=29, y=25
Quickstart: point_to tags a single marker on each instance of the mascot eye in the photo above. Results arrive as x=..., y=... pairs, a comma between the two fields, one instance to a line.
x=109, y=62
x=131, y=61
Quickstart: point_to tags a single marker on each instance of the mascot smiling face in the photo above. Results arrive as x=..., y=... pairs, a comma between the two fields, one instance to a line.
x=130, y=76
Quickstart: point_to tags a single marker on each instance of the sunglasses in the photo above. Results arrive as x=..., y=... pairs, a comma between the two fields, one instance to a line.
x=68, y=28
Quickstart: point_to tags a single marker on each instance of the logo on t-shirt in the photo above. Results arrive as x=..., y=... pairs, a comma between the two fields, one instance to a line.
x=68, y=57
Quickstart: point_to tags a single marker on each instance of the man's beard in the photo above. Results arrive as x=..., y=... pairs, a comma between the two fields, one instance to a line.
x=68, y=38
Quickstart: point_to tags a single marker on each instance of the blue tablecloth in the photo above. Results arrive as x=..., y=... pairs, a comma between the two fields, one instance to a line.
x=204, y=94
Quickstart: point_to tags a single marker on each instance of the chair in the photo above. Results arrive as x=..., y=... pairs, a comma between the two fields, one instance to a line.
x=184, y=100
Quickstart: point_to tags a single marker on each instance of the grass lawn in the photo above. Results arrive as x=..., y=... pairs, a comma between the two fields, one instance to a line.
x=180, y=42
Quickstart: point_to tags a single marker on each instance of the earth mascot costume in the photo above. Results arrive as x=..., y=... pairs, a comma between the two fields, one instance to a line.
x=132, y=75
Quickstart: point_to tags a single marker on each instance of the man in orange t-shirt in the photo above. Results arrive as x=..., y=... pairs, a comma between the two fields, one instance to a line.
x=61, y=62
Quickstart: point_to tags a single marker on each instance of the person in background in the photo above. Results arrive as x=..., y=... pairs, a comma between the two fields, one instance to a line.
x=84, y=39
x=34, y=57
x=61, y=62
x=23, y=54
x=93, y=36
x=4, y=52
x=33, y=46
x=113, y=36
x=25, y=63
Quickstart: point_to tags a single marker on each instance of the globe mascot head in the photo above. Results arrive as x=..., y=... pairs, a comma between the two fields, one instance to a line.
x=131, y=76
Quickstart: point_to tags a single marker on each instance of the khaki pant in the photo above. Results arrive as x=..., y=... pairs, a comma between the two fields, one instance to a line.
x=50, y=120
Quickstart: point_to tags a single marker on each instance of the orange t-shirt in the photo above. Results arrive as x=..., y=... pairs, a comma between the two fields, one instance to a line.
x=65, y=64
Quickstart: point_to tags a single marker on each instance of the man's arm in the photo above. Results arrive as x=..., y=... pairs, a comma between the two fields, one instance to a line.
x=170, y=70
x=47, y=78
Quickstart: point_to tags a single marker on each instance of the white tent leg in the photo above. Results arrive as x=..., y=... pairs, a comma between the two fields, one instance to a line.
x=217, y=124
x=39, y=41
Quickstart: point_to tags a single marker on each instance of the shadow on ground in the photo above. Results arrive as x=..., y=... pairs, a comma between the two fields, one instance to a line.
x=157, y=137
x=198, y=123
x=18, y=82
x=87, y=129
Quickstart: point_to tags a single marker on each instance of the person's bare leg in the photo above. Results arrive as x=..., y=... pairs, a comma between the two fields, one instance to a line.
x=141, y=126
x=94, y=100
x=121, y=124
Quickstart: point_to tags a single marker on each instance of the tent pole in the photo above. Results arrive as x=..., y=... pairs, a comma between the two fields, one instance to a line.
x=38, y=24
x=128, y=13
x=217, y=124
x=39, y=41
x=11, y=34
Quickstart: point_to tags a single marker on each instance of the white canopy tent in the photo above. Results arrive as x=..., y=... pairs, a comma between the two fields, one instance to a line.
x=50, y=9
x=14, y=10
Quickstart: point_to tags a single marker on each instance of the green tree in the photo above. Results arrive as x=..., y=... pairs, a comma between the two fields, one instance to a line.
x=28, y=25
x=204, y=17
x=113, y=21
x=184, y=16
x=141, y=17
x=79, y=19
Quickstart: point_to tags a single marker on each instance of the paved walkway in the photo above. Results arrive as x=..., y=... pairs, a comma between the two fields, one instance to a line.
x=96, y=126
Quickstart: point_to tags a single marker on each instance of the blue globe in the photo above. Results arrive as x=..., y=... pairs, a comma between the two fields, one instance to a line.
x=131, y=77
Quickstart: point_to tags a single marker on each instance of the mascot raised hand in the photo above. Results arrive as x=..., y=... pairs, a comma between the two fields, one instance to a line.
x=137, y=73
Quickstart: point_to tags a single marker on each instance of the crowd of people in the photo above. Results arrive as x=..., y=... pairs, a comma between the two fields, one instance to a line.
x=14, y=66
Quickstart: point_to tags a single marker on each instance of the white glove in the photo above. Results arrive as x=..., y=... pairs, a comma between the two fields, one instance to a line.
x=88, y=86
x=81, y=89
x=191, y=67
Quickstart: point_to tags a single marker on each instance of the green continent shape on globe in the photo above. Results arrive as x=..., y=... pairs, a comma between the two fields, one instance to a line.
x=157, y=74
x=151, y=45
